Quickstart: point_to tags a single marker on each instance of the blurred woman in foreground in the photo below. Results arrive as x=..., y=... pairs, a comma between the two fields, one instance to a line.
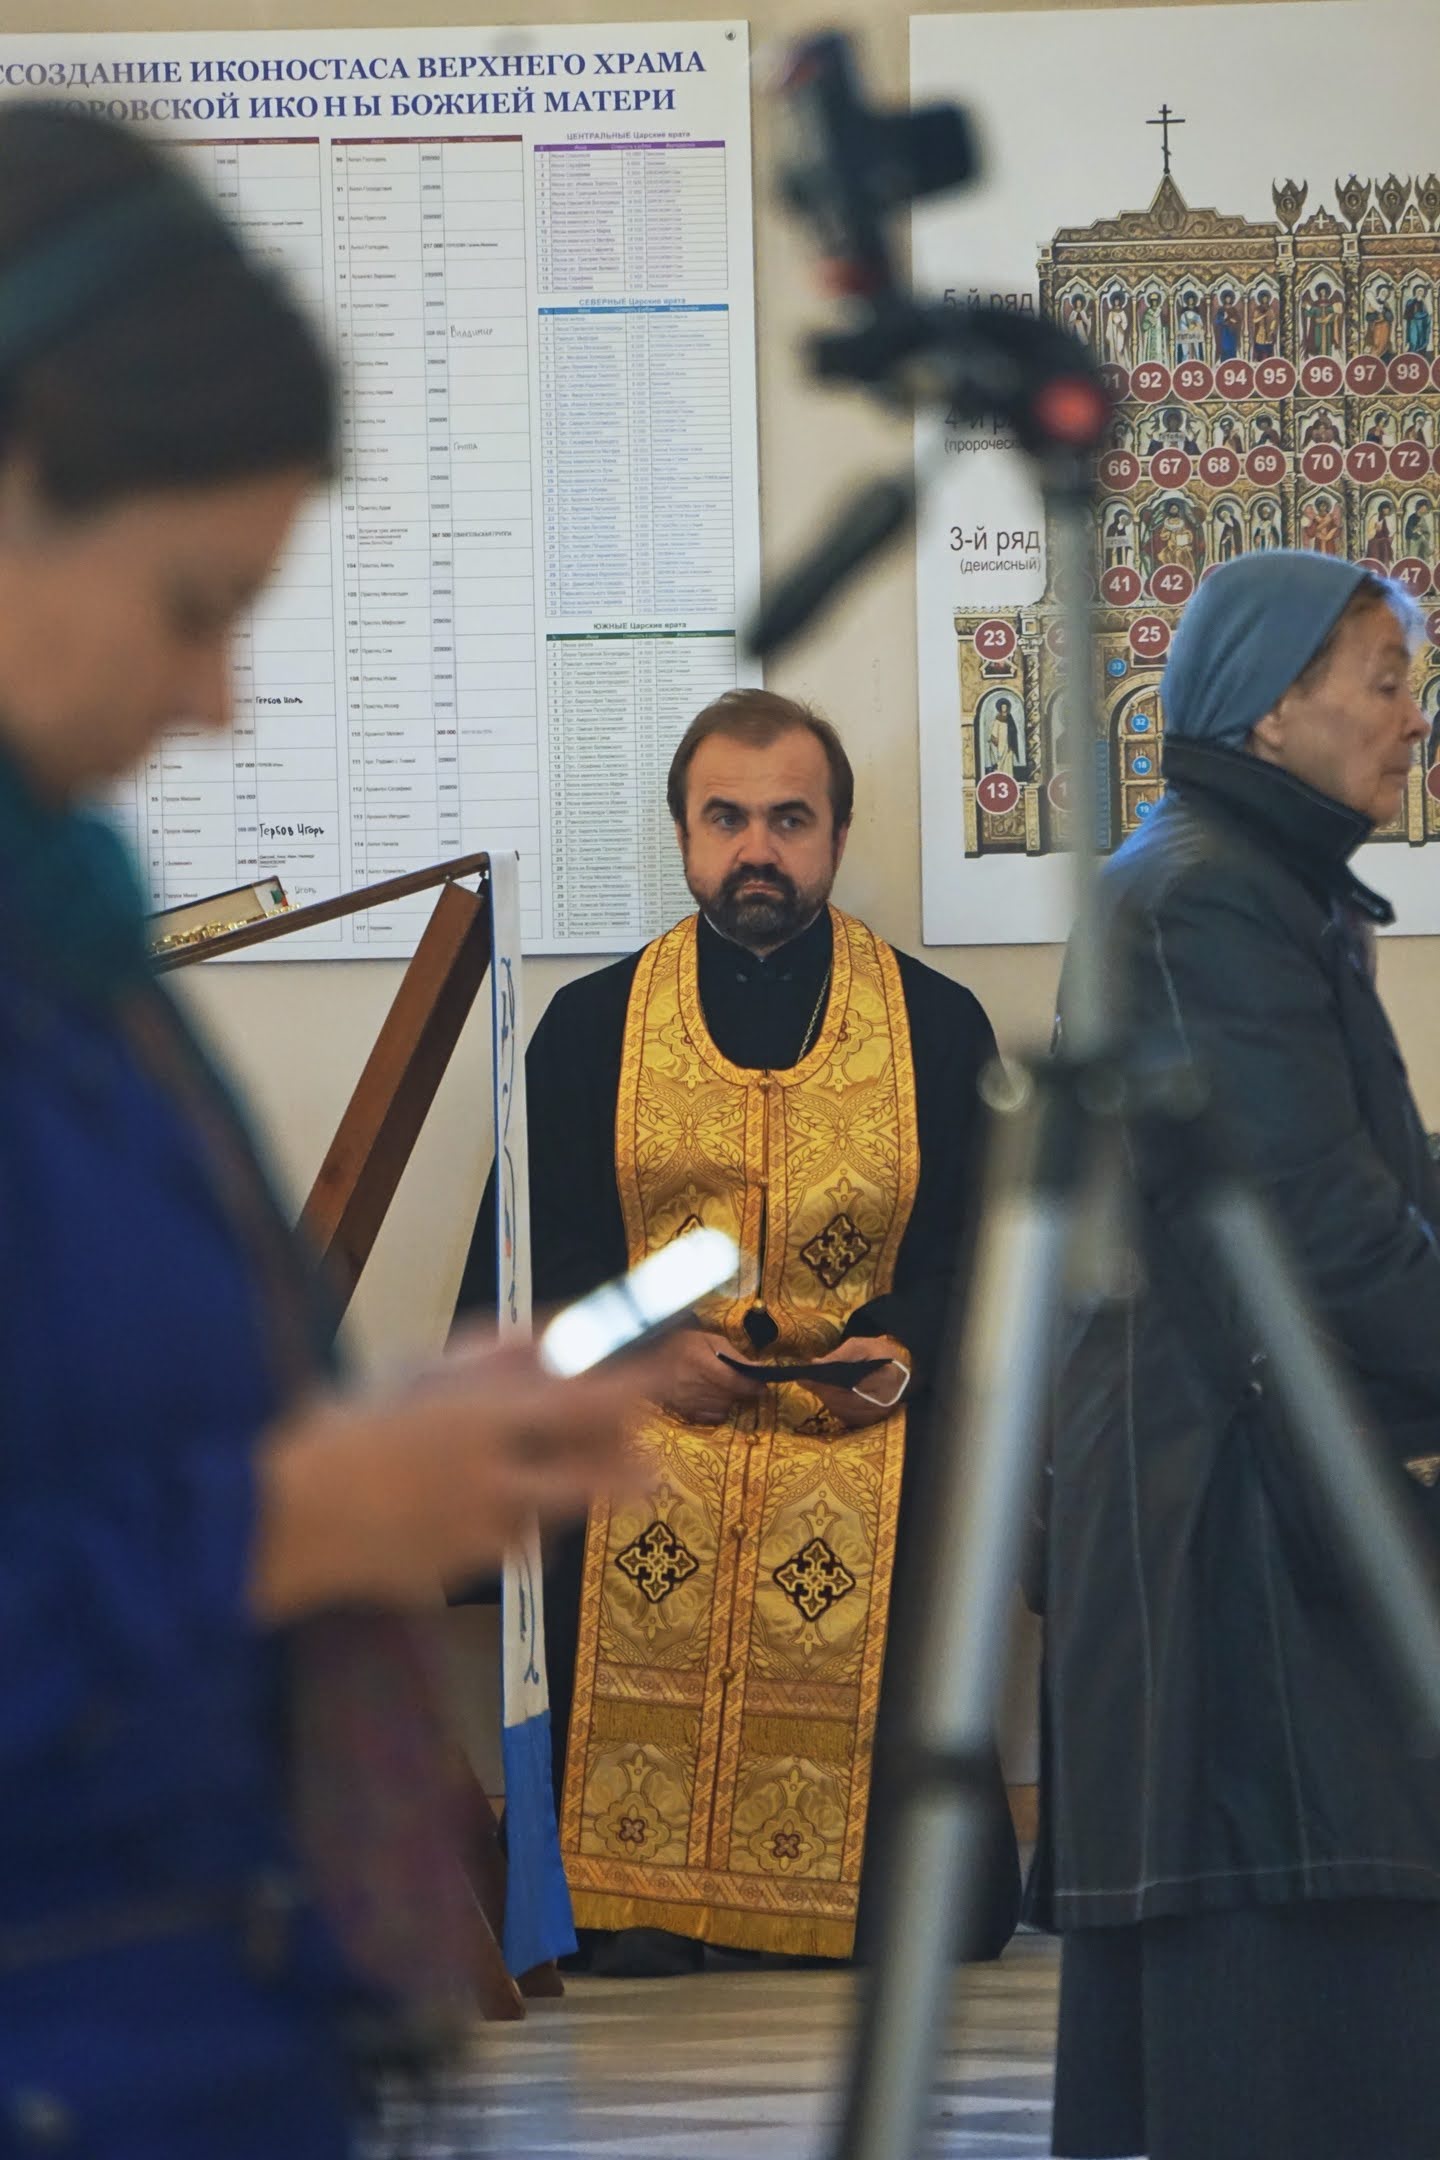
x=179, y=1483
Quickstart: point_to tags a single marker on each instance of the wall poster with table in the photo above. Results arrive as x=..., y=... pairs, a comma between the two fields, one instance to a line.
x=1260, y=274
x=532, y=251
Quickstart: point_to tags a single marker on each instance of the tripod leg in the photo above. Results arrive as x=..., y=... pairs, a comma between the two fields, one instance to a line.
x=1389, y=1559
x=938, y=1830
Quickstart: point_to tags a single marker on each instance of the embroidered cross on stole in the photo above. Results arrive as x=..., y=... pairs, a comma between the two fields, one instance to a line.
x=733, y=1620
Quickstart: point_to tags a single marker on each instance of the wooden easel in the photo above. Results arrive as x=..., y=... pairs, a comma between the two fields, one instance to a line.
x=363, y=1167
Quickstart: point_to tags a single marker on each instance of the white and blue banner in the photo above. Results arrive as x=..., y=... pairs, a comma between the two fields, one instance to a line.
x=538, y=1922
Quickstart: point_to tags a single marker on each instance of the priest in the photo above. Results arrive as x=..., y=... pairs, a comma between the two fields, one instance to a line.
x=772, y=1068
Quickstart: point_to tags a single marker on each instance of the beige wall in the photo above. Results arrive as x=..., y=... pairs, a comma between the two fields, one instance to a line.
x=297, y=1034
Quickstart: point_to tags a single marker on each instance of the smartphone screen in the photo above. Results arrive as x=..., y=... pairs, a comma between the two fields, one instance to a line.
x=664, y=1287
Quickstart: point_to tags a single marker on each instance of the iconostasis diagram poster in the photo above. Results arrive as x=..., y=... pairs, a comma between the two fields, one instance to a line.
x=532, y=253
x=1239, y=208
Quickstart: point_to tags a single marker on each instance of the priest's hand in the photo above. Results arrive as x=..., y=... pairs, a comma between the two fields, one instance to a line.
x=702, y=1390
x=887, y=1387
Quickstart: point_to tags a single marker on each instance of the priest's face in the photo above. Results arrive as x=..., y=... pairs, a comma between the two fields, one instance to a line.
x=759, y=840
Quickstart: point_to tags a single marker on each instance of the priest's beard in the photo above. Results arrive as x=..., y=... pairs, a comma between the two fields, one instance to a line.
x=759, y=908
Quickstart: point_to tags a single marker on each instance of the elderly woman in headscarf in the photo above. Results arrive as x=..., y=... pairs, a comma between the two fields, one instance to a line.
x=1241, y=1854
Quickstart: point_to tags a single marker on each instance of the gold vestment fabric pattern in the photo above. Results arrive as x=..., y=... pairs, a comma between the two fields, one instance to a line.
x=734, y=1615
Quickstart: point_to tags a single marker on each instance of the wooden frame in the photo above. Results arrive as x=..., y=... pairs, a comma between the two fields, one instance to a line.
x=357, y=1181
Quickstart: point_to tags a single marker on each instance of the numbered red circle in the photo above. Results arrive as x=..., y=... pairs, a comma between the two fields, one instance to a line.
x=1323, y=464
x=1410, y=372
x=1266, y=465
x=1150, y=382
x=1173, y=584
x=1367, y=461
x=1235, y=379
x=995, y=640
x=1057, y=640
x=1221, y=468
x=1432, y=783
x=1435, y=372
x=1122, y=588
x=1376, y=569
x=1059, y=791
x=1193, y=379
x=1119, y=469
x=1171, y=468
x=998, y=793
x=1116, y=380
x=1149, y=637
x=1410, y=461
x=1432, y=626
x=1322, y=378
x=1365, y=373
x=1274, y=378
x=1413, y=574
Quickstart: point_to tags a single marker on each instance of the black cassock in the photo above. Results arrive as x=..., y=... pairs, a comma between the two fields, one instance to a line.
x=760, y=1013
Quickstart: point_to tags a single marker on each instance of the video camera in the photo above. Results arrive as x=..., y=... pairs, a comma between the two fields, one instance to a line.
x=849, y=170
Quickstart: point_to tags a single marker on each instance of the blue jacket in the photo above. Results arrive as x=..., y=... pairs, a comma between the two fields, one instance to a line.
x=139, y=1727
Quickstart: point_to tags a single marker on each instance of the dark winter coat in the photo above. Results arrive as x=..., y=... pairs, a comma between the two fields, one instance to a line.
x=1219, y=1727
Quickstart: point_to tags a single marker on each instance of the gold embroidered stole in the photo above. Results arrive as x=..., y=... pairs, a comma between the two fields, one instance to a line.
x=733, y=1620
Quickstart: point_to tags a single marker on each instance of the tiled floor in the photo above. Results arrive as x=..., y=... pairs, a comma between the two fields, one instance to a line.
x=731, y=2067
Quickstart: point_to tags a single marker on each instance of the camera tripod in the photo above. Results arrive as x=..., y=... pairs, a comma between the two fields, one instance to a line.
x=1050, y=1232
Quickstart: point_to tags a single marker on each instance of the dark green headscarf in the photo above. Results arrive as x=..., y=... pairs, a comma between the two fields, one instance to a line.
x=70, y=899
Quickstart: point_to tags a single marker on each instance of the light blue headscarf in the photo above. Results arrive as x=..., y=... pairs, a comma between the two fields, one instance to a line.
x=1250, y=631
